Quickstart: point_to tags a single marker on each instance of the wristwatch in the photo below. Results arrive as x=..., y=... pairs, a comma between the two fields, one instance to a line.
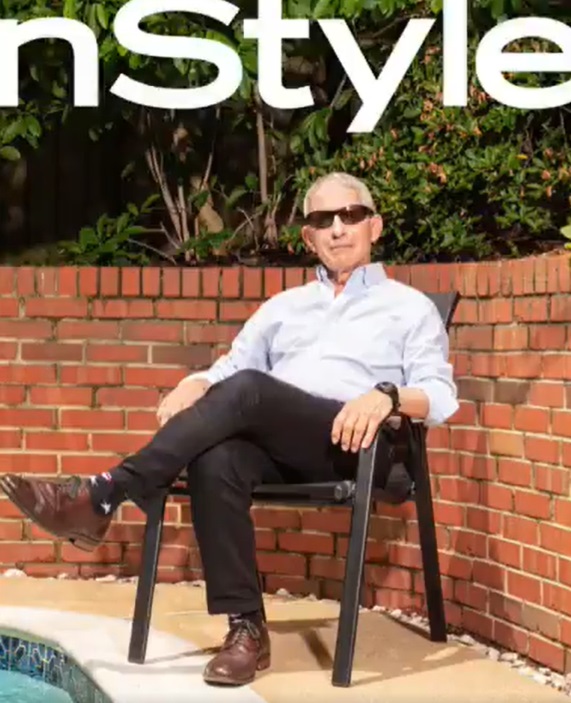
x=392, y=391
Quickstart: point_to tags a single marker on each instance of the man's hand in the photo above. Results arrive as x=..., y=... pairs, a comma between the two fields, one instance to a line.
x=359, y=419
x=183, y=396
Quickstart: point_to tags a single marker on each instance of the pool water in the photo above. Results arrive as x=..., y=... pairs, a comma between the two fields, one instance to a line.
x=19, y=688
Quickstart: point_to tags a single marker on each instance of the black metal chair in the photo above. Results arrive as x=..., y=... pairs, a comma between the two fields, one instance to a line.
x=399, y=450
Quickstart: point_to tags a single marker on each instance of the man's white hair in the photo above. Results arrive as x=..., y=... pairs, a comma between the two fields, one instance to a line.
x=344, y=179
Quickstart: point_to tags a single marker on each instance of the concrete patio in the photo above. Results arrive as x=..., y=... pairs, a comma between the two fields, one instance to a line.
x=393, y=664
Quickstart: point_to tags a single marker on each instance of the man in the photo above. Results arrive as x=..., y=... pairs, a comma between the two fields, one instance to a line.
x=306, y=384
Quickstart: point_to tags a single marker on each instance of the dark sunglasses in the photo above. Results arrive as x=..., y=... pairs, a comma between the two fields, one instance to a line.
x=349, y=215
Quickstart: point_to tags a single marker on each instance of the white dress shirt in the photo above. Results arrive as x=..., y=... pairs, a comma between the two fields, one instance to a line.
x=377, y=329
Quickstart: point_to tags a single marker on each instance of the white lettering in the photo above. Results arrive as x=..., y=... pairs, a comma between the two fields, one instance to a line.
x=127, y=32
x=85, y=56
x=491, y=61
x=375, y=93
x=270, y=29
x=455, y=54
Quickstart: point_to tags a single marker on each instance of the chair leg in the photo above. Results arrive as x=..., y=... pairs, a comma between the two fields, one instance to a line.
x=147, y=579
x=428, y=543
x=351, y=596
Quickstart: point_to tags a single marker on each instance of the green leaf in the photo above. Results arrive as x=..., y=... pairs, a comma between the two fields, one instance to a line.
x=9, y=153
x=322, y=8
x=102, y=16
x=566, y=231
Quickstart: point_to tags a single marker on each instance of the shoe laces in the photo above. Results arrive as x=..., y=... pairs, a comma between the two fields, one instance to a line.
x=241, y=632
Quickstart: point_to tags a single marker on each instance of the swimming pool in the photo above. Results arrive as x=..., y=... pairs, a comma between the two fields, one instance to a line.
x=40, y=672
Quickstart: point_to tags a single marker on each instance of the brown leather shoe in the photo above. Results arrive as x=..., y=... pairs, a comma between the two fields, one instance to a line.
x=246, y=649
x=62, y=508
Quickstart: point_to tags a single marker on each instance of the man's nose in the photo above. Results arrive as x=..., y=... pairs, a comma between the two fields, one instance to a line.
x=338, y=227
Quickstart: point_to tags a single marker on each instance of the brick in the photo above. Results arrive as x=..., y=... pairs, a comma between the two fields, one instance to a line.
x=15, y=553
x=495, y=311
x=507, y=444
x=55, y=308
x=109, y=281
x=90, y=375
x=555, y=367
x=56, y=441
x=152, y=331
x=449, y=514
x=519, y=529
x=52, y=351
x=478, y=623
x=156, y=378
x=483, y=520
x=547, y=337
x=479, y=467
x=532, y=504
x=172, y=282
x=10, y=439
x=455, y=566
x=276, y=518
x=186, y=309
x=505, y=608
x=26, y=329
x=131, y=281
x=306, y=542
x=151, y=282
x=142, y=421
x=563, y=512
x=190, y=283
x=27, y=374
x=7, y=280
x=475, y=389
x=8, y=351
x=117, y=353
x=326, y=521
x=26, y=417
x=556, y=598
x=547, y=653
x=531, y=419
x=296, y=585
x=241, y=311
x=127, y=397
x=560, y=310
x=252, y=283
x=230, y=283
x=526, y=365
x=517, y=473
x=59, y=397
x=88, y=281
x=196, y=355
x=544, y=450
x=511, y=637
x=459, y=490
x=123, y=309
x=293, y=277
x=510, y=338
x=90, y=329
x=106, y=553
x=504, y=552
x=546, y=394
x=273, y=281
x=491, y=575
x=92, y=419
x=555, y=539
x=25, y=280
x=9, y=307
x=472, y=544
x=531, y=309
x=469, y=440
x=388, y=577
x=551, y=480
x=496, y=415
x=490, y=365
x=471, y=595
x=496, y=497
x=524, y=587
x=561, y=420
x=322, y=567
x=540, y=563
x=210, y=282
x=11, y=530
x=118, y=443
x=292, y=564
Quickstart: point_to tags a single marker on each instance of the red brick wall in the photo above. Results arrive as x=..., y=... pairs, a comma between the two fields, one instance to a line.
x=86, y=354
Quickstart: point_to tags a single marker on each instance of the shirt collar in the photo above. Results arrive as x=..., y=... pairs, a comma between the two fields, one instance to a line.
x=361, y=278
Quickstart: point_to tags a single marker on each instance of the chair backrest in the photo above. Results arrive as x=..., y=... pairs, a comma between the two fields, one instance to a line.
x=446, y=304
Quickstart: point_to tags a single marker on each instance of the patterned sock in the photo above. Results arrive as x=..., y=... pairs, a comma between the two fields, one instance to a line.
x=255, y=616
x=105, y=495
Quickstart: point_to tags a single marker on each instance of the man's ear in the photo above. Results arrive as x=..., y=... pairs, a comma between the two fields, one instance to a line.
x=306, y=235
x=377, y=226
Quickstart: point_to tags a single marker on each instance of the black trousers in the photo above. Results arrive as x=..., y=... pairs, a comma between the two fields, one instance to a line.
x=246, y=430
